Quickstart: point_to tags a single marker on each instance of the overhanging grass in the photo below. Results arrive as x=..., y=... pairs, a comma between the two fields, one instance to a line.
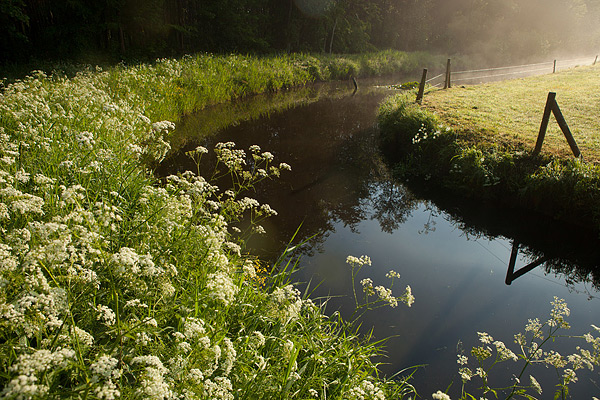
x=170, y=88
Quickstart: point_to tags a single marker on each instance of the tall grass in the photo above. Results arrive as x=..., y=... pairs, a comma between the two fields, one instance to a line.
x=170, y=88
x=115, y=285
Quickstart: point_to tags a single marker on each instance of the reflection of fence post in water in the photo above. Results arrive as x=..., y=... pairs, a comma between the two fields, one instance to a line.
x=422, y=86
x=552, y=106
x=511, y=275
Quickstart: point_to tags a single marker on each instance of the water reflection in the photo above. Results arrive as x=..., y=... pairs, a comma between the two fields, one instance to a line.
x=511, y=275
x=452, y=252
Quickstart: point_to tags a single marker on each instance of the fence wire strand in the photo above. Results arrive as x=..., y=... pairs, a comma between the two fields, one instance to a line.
x=525, y=69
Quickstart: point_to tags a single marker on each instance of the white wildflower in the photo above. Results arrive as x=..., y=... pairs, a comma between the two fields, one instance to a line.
x=367, y=285
x=105, y=367
x=569, y=376
x=193, y=328
x=221, y=288
x=504, y=353
x=85, y=140
x=536, y=386
x=485, y=338
x=439, y=395
x=392, y=275
x=219, y=388
x=106, y=314
x=354, y=261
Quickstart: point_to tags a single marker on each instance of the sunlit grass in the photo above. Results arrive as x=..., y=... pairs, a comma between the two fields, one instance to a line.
x=169, y=88
x=509, y=113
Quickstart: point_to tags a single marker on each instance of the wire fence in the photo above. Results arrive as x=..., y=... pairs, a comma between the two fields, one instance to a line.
x=476, y=76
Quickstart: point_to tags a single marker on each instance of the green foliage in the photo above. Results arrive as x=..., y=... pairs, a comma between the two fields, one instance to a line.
x=401, y=120
x=495, y=32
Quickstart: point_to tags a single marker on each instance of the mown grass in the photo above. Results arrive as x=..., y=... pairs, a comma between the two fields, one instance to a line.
x=509, y=113
x=477, y=141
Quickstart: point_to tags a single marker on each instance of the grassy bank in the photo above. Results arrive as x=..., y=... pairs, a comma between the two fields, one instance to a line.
x=477, y=141
x=169, y=88
x=115, y=285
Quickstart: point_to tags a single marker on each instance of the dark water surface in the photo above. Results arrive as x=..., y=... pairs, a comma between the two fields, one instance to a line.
x=453, y=254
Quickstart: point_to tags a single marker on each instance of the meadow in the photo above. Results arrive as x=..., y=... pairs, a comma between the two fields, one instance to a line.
x=478, y=141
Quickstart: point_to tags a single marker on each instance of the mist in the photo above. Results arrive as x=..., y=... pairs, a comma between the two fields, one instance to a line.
x=511, y=31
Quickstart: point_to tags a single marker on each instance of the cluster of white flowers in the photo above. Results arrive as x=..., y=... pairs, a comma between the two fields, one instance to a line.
x=558, y=314
x=532, y=352
x=358, y=261
x=439, y=395
x=219, y=388
x=383, y=294
x=221, y=288
x=104, y=372
x=366, y=390
x=285, y=304
x=153, y=385
x=29, y=367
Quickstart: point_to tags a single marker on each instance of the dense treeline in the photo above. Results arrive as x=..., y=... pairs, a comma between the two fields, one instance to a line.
x=508, y=29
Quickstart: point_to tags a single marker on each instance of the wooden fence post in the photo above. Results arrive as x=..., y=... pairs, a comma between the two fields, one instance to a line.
x=422, y=86
x=595, y=60
x=544, y=126
x=552, y=106
x=554, y=69
x=565, y=129
x=355, y=84
x=448, y=83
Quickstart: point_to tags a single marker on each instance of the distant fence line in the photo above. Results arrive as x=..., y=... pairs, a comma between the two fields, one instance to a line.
x=513, y=70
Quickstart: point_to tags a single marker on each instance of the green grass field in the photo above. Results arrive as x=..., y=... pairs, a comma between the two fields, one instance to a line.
x=509, y=113
x=477, y=141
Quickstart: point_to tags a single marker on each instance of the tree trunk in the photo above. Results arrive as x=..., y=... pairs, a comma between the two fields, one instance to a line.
x=122, y=39
x=332, y=35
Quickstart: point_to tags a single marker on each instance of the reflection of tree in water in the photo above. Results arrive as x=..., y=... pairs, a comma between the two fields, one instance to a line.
x=392, y=205
x=338, y=178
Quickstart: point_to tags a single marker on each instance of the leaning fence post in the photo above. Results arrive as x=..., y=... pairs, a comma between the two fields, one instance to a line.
x=565, y=129
x=448, y=83
x=422, y=86
x=544, y=125
x=595, y=60
x=552, y=106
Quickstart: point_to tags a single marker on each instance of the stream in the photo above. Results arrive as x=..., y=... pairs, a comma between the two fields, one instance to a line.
x=455, y=255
